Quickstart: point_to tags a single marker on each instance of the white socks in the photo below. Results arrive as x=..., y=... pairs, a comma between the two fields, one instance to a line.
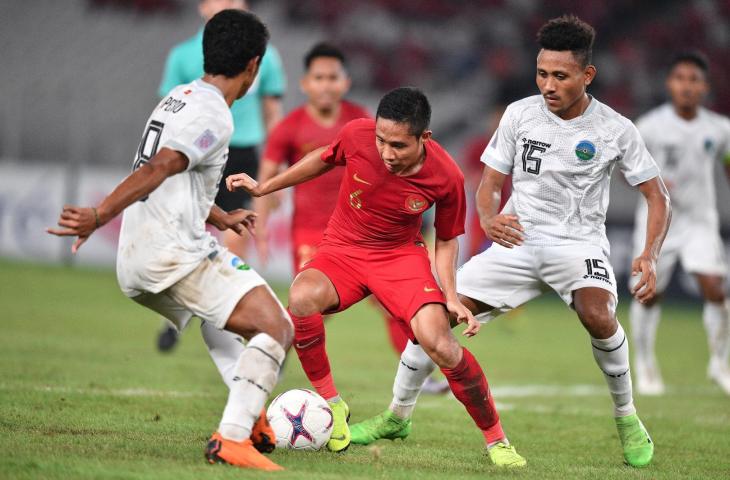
x=716, y=320
x=644, y=323
x=255, y=375
x=225, y=349
x=612, y=357
x=414, y=367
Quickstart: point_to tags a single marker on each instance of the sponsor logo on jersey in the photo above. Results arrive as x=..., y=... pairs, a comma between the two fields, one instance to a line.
x=585, y=150
x=416, y=203
x=205, y=140
x=360, y=180
x=239, y=264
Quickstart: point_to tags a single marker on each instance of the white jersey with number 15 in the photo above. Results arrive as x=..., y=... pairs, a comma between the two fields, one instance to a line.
x=561, y=169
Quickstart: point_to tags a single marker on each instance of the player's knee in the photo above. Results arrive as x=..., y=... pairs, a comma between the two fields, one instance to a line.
x=303, y=300
x=598, y=320
x=445, y=352
x=713, y=292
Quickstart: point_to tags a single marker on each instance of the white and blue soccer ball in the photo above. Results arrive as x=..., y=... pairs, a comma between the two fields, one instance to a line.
x=301, y=419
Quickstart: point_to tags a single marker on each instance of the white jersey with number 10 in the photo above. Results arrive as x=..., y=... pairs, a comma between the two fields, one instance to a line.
x=163, y=236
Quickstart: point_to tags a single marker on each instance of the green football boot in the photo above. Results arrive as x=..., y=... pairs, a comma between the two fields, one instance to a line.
x=503, y=455
x=637, y=444
x=340, y=437
x=386, y=425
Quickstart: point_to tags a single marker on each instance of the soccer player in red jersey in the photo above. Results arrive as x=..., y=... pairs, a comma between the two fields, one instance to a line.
x=313, y=125
x=394, y=171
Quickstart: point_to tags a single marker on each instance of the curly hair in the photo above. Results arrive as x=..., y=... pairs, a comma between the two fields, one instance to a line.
x=568, y=33
x=230, y=40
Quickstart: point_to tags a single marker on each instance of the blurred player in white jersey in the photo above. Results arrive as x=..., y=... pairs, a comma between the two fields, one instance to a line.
x=560, y=148
x=687, y=141
x=167, y=261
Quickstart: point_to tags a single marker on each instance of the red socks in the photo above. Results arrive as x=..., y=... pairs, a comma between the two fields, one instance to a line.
x=309, y=342
x=469, y=385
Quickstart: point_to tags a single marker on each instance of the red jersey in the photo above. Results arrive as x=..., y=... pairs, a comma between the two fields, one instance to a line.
x=377, y=209
x=295, y=136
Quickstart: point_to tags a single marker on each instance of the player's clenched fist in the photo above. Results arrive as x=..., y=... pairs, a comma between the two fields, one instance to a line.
x=645, y=289
x=504, y=230
x=241, y=181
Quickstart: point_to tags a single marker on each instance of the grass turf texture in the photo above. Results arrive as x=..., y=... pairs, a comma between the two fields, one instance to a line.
x=84, y=394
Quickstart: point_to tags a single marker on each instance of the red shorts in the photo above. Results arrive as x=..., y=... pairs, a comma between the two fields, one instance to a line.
x=304, y=246
x=400, y=279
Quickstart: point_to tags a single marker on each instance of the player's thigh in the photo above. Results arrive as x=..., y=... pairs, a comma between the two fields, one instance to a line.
x=217, y=288
x=566, y=269
x=332, y=281
x=163, y=304
x=498, y=280
x=704, y=253
x=402, y=281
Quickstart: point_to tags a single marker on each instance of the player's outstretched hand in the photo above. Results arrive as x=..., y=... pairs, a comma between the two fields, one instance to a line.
x=76, y=222
x=240, y=220
x=241, y=181
x=504, y=230
x=645, y=289
x=463, y=315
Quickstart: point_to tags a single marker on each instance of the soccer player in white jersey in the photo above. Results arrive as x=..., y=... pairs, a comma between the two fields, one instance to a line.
x=560, y=148
x=687, y=141
x=167, y=261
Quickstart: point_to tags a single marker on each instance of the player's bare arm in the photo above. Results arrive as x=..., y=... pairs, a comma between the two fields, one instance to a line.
x=81, y=222
x=658, y=218
x=272, y=111
x=238, y=220
x=502, y=229
x=447, y=253
x=263, y=206
x=309, y=167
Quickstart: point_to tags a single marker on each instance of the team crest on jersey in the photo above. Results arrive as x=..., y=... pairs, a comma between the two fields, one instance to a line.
x=585, y=150
x=708, y=145
x=416, y=203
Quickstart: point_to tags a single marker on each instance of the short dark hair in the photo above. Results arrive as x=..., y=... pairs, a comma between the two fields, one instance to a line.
x=695, y=57
x=323, y=49
x=568, y=33
x=230, y=40
x=406, y=105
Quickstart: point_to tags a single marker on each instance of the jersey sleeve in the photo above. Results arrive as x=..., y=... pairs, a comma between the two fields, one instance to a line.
x=636, y=163
x=278, y=144
x=199, y=138
x=172, y=76
x=451, y=210
x=273, y=80
x=725, y=149
x=500, y=151
x=337, y=150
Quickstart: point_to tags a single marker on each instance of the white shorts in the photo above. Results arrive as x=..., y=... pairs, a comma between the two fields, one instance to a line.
x=697, y=246
x=210, y=292
x=505, y=278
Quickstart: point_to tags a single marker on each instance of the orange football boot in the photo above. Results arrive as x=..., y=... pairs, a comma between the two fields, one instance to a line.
x=262, y=435
x=239, y=454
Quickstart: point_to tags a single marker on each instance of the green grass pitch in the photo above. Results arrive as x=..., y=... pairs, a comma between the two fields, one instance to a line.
x=84, y=394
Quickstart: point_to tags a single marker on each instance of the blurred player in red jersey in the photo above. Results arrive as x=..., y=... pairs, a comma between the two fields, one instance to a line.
x=478, y=241
x=313, y=125
x=394, y=171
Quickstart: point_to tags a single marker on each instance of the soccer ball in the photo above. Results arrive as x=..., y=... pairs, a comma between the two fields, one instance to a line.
x=301, y=419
